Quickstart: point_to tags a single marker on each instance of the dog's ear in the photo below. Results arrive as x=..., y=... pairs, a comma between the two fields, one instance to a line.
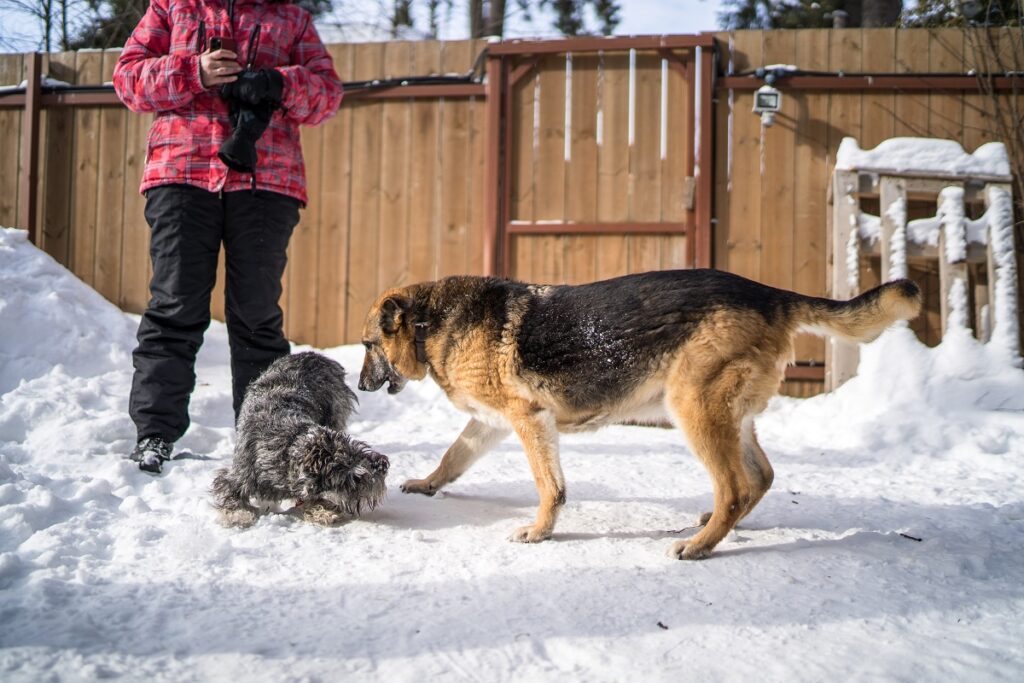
x=393, y=312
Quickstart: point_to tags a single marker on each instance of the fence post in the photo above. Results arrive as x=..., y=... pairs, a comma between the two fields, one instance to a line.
x=842, y=357
x=30, y=147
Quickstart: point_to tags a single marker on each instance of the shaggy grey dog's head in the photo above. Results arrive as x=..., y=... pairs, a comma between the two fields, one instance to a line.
x=331, y=465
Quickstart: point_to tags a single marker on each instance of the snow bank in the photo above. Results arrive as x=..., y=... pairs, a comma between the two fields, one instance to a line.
x=923, y=156
x=889, y=547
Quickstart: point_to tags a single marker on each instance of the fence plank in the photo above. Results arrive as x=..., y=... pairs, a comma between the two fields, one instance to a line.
x=424, y=180
x=613, y=162
x=523, y=132
x=86, y=178
x=813, y=153
x=135, y=263
x=779, y=142
x=364, y=240
x=979, y=125
x=581, y=170
x=57, y=126
x=549, y=169
x=743, y=243
x=946, y=109
x=334, y=200
x=393, y=259
x=878, y=109
x=109, y=205
x=911, y=57
x=645, y=161
x=11, y=71
x=476, y=174
x=674, y=167
x=454, y=168
x=300, y=306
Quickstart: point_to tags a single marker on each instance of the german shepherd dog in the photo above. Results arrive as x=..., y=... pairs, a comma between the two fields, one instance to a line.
x=704, y=349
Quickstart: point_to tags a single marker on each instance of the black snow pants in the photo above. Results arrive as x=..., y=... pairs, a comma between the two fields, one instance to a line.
x=187, y=226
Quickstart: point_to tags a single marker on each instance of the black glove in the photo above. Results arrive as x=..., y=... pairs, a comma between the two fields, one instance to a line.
x=256, y=87
x=248, y=123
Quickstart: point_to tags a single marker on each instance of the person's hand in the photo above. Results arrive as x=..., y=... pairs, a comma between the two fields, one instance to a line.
x=218, y=67
x=256, y=87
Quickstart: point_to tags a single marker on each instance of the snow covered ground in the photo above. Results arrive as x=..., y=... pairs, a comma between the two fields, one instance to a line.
x=106, y=572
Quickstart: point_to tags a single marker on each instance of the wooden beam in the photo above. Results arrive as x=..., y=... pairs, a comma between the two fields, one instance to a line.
x=419, y=91
x=806, y=373
x=876, y=82
x=598, y=44
x=104, y=96
x=572, y=228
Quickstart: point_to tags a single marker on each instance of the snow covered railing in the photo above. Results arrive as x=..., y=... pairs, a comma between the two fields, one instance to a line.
x=901, y=170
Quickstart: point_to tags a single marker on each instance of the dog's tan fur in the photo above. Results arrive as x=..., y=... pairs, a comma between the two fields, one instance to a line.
x=711, y=385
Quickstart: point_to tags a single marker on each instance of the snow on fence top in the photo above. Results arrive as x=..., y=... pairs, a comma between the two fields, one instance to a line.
x=925, y=156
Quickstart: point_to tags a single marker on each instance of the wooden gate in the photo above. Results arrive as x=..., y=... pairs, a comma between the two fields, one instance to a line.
x=595, y=154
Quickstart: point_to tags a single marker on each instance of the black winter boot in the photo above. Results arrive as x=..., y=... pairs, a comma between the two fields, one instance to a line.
x=151, y=452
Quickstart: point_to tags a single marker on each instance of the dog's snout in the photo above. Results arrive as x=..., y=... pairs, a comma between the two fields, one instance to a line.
x=368, y=382
x=369, y=379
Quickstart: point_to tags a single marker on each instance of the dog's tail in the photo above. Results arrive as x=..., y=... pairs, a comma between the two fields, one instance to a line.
x=864, y=317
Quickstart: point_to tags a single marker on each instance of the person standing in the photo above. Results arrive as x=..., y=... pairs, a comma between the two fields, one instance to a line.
x=230, y=81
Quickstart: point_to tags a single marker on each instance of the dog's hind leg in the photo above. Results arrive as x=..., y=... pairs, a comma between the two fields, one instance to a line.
x=229, y=499
x=760, y=474
x=474, y=441
x=539, y=434
x=705, y=409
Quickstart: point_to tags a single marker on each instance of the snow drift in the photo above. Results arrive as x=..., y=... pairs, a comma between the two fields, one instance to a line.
x=890, y=546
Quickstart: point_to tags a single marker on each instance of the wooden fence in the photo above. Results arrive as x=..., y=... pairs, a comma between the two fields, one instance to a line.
x=772, y=184
x=396, y=186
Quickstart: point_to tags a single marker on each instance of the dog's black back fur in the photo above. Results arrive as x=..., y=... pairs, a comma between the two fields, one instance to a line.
x=607, y=334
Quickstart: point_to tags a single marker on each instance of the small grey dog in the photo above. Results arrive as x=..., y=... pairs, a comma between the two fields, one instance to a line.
x=291, y=444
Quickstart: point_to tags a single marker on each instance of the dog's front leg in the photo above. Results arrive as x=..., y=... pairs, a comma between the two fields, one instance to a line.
x=474, y=441
x=538, y=432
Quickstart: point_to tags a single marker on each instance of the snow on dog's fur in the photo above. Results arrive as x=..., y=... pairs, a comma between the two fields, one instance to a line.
x=292, y=445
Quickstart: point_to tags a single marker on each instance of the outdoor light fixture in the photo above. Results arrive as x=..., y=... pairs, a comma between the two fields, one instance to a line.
x=767, y=101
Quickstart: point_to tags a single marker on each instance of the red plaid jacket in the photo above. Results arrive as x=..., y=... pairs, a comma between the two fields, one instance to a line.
x=158, y=71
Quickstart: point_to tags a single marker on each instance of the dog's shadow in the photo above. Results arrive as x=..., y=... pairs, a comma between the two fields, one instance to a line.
x=189, y=455
x=513, y=504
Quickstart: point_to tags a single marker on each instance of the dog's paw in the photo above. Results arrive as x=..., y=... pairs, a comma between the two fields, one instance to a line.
x=419, y=486
x=529, y=534
x=322, y=515
x=238, y=517
x=687, y=550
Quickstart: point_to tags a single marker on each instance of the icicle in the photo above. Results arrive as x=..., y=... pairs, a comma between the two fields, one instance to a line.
x=853, y=248
x=897, y=213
